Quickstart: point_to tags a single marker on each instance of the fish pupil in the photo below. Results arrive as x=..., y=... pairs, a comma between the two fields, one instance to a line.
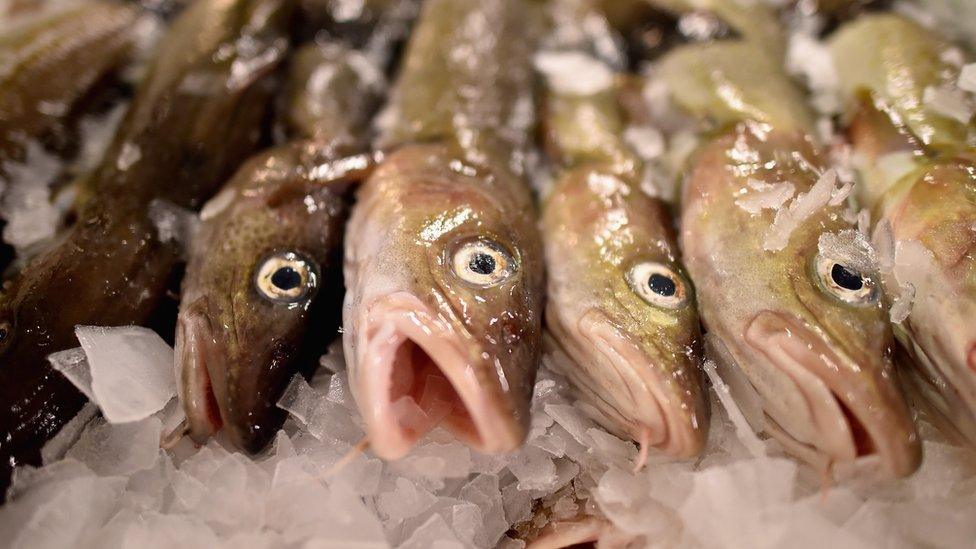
x=662, y=285
x=286, y=278
x=846, y=278
x=482, y=264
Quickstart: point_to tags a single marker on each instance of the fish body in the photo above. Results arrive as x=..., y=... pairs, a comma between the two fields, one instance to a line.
x=802, y=320
x=265, y=262
x=49, y=62
x=442, y=316
x=925, y=213
x=618, y=301
x=194, y=118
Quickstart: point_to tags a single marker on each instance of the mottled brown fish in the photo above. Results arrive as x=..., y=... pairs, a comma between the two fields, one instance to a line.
x=264, y=266
x=443, y=261
x=195, y=117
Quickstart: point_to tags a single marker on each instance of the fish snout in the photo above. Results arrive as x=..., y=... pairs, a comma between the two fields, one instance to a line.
x=657, y=398
x=852, y=409
x=414, y=371
x=194, y=337
x=971, y=357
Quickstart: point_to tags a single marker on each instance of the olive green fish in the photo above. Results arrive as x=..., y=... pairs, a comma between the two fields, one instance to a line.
x=194, y=118
x=918, y=177
x=49, y=63
x=265, y=262
x=619, y=303
x=783, y=281
x=443, y=267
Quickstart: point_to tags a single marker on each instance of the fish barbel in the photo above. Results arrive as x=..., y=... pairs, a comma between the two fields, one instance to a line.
x=265, y=263
x=924, y=211
x=619, y=303
x=194, y=118
x=803, y=321
x=443, y=310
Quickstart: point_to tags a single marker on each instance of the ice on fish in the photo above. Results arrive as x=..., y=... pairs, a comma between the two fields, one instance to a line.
x=766, y=197
x=851, y=248
x=949, y=101
x=26, y=204
x=131, y=370
x=802, y=207
x=173, y=223
x=574, y=72
x=646, y=141
x=73, y=364
x=742, y=427
x=967, y=78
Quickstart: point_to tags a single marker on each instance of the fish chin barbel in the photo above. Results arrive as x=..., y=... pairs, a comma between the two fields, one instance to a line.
x=443, y=261
x=264, y=269
x=619, y=303
x=805, y=327
x=111, y=268
x=893, y=72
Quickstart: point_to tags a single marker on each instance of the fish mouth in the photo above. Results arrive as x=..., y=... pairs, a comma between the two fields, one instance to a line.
x=194, y=336
x=854, y=412
x=656, y=413
x=414, y=374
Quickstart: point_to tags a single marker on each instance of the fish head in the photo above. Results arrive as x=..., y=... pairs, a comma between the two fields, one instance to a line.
x=264, y=253
x=442, y=313
x=804, y=319
x=622, y=307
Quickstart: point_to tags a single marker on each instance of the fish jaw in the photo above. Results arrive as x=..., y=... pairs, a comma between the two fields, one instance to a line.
x=193, y=338
x=413, y=372
x=854, y=408
x=653, y=410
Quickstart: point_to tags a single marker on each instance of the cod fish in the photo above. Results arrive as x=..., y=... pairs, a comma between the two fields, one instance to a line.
x=194, y=118
x=918, y=175
x=619, y=303
x=264, y=266
x=443, y=267
x=51, y=60
x=783, y=282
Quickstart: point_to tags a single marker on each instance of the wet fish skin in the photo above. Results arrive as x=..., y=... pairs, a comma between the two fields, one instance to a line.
x=442, y=317
x=634, y=356
x=240, y=337
x=111, y=268
x=50, y=62
x=930, y=207
x=818, y=356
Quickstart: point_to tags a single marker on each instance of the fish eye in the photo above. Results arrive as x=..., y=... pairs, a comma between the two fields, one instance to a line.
x=658, y=285
x=287, y=278
x=845, y=283
x=6, y=333
x=483, y=262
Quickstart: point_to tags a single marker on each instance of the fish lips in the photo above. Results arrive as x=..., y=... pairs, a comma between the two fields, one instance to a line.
x=414, y=370
x=666, y=414
x=856, y=409
x=227, y=391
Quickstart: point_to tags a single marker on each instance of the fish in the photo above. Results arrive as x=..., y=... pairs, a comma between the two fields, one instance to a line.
x=443, y=263
x=52, y=59
x=265, y=262
x=618, y=300
x=924, y=213
x=195, y=117
x=801, y=320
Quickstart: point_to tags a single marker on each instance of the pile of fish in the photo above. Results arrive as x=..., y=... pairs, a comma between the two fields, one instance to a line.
x=487, y=273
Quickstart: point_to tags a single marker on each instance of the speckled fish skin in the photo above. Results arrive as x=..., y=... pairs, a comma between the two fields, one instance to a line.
x=429, y=340
x=932, y=205
x=635, y=360
x=239, y=341
x=49, y=64
x=820, y=364
x=111, y=268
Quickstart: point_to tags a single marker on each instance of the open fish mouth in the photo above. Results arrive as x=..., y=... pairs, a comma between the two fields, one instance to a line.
x=654, y=414
x=854, y=414
x=414, y=373
x=193, y=338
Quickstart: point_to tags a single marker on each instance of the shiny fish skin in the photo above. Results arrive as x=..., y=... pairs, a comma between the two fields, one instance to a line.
x=237, y=346
x=49, y=63
x=635, y=361
x=427, y=341
x=821, y=365
x=931, y=208
x=110, y=268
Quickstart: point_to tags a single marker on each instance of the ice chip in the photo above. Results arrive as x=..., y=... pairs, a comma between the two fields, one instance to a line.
x=742, y=427
x=950, y=102
x=73, y=364
x=851, y=248
x=405, y=501
x=59, y=445
x=131, y=370
x=574, y=73
x=533, y=468
x=433, y=534
x=768, y=198
x=173, y=223
x=802, y=207
x=118, y=449
x=967, y=78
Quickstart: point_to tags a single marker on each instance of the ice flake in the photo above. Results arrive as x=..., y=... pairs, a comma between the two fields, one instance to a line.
x=131, y=370
x=433, y=534
x=121, y=449
x=769, y=197
x=574, y=73
x=801, y=208
x=73, y=364
x=949, y=101
x=967, y=78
